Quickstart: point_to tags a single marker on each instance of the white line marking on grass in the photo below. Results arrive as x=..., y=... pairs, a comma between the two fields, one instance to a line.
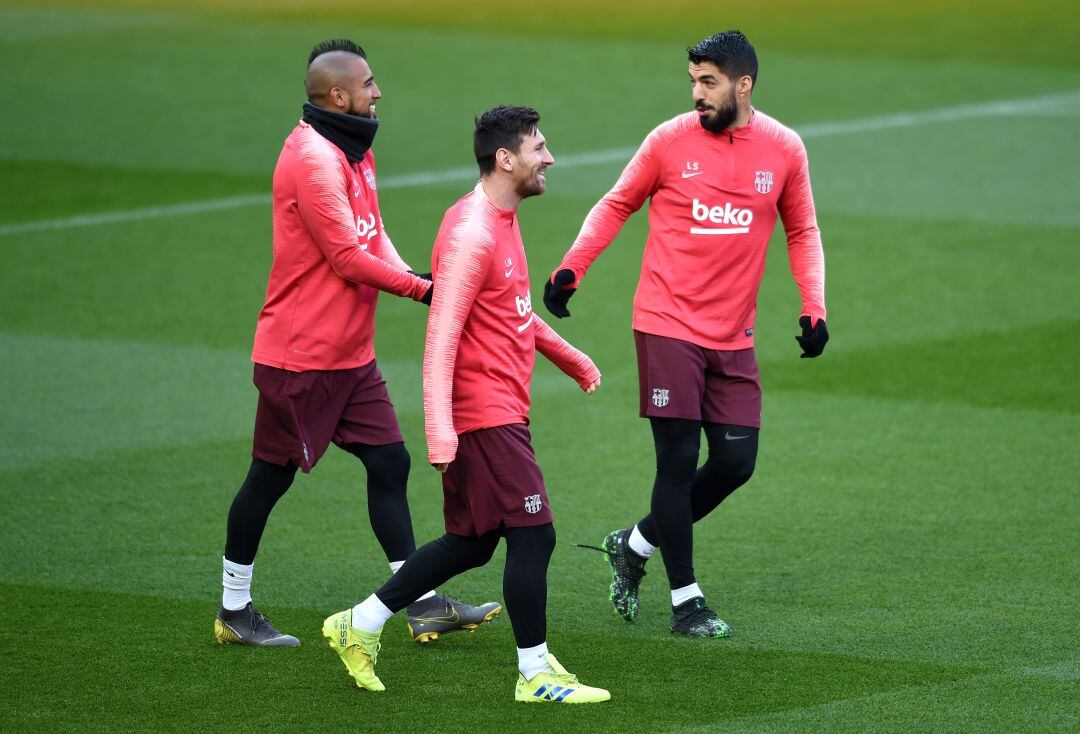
x=150, y=212
x=1048, y=104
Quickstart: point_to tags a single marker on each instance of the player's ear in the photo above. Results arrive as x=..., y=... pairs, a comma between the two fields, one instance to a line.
x=337, y=96
x=503, y=160
x=744, y=86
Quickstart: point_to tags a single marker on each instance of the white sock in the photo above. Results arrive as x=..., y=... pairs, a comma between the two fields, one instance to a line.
x=396, y=565
x=685, y=594
x=370, y=615
x=531, y=660
x=235, y=584
x=639, y=545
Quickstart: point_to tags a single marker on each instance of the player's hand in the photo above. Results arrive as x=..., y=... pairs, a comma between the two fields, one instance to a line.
x=426, y=300
x=813, y=340
x=592, y=387
x=441, y=468
x=557, y=292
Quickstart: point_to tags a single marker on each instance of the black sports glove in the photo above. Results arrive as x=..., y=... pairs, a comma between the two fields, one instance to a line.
x=426, y=300
x=556, y=293
x=812, y=340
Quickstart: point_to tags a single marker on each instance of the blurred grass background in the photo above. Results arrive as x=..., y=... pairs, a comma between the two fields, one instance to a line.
x=905, y=557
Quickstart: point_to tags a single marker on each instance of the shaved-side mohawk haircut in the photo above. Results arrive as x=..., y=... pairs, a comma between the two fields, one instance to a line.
x=336, y=44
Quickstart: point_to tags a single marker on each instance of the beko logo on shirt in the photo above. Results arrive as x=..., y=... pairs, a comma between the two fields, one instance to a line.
x=366, y=229
x=524, y=308
x=726, y=214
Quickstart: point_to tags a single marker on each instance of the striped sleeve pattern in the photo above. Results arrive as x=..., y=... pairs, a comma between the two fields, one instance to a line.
x=464, y=259
x=563, y=355
x=323, y=202
x=805, y=253
x=639, y=180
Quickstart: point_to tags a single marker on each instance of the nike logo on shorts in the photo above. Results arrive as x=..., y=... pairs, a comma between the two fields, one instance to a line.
x=691, y=175
x=729, y=437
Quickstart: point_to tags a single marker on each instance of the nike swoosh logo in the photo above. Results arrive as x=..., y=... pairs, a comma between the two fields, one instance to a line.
x=231, y=573
x=507, y=273
x=691, y=175
x=729, y=437
x=454, y=618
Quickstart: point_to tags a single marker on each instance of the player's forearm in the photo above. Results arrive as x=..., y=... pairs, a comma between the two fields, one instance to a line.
x=572, y=361
x=440, y=353
x=807, y=260
x=598, y=231
x=458, y=269
x=390, y=254
x=438, y=408
x=353, y=264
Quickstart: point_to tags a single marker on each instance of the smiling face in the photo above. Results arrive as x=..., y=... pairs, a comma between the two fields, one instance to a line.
x=340, y=81
x=529, y=164
x=716, y=96
x=358, y=90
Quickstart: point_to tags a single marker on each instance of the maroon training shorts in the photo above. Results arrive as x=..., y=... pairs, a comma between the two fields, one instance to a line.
x=494, y=482
x=678, y=379
x=300, y=413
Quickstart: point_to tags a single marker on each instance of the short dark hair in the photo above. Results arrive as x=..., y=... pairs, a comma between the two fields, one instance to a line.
x=336, y=44
x=501, y=127
x=730, y=51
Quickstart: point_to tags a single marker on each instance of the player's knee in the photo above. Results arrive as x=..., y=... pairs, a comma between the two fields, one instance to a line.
x=734, y=465
x=677, y=458
x=545, y=539
x=470, y=551
x=388, y=464
x=537, y=542
x=397, y=460
x=270, y=478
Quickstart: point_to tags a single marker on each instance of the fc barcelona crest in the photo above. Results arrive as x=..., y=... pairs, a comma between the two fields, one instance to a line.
x=369, y=176
x=763, y=181
x=660, y=397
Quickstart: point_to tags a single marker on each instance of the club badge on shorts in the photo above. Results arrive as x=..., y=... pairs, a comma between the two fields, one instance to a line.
x=660, y=396
x=533, y=504
x=763, y=181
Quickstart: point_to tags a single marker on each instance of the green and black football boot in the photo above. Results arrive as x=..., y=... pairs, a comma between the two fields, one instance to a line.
x=693, y=619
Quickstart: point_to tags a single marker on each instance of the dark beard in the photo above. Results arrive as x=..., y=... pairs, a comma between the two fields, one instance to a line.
x=529, y=188
x=722, y=118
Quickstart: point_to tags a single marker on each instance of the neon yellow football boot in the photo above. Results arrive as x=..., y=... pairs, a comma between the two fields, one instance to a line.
x=557, y=687
x=359, y=650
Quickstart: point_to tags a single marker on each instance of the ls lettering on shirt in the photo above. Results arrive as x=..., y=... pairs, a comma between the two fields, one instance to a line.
x=332, y=256
x=714, y=200
x=482, y=333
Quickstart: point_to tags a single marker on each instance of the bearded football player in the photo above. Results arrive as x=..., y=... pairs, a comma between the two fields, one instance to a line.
x=717, y=178
x=481, y=345
x=314, y=348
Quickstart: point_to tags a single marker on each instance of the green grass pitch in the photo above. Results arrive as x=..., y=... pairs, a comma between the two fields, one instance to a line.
x=907, y=557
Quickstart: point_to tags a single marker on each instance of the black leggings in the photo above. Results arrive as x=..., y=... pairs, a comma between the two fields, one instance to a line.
x=684, y=493
x=528, y=551
x=388, y=506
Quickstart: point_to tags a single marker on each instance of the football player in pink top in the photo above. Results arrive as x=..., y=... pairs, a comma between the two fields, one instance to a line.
x=314, y=351
x=716, y=179
x=482, y=340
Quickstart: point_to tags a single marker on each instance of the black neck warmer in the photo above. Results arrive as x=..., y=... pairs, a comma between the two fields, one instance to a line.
x=352, y=134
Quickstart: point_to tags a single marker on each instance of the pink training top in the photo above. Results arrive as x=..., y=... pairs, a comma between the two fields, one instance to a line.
x=331, y=258
x=715, y=198
x=482, y=333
